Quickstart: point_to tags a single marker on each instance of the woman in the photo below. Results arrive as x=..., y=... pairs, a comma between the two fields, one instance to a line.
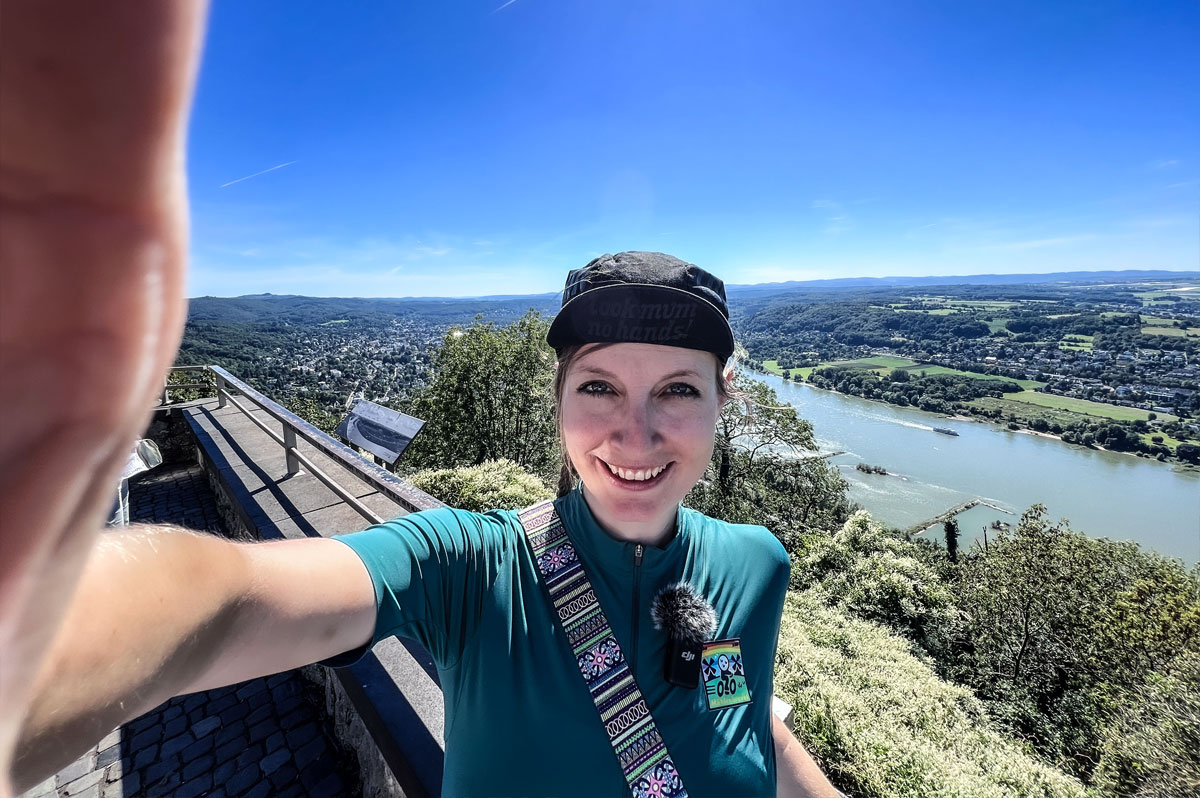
x=643, y=341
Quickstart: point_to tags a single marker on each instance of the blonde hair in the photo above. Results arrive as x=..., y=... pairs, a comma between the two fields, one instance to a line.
x=566, y=473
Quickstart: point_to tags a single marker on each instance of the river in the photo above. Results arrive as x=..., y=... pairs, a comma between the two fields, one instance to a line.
x=1104, y=494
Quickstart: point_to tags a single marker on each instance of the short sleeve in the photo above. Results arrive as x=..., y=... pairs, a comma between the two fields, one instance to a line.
x=432, y=572
x=777, y=587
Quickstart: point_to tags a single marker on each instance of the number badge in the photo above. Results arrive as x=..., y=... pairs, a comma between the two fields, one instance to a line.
x=724, y=674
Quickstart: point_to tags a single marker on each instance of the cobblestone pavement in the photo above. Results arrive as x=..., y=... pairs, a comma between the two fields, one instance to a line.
x=259, y=738
x=175, y=495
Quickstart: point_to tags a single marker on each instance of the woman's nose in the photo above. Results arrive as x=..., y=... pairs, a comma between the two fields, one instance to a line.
x=639, y=431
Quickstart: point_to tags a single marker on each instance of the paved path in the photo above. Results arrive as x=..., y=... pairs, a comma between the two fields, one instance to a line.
x=258, y=738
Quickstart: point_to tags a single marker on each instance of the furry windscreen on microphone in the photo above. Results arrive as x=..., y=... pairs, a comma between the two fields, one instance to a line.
x=683, y=613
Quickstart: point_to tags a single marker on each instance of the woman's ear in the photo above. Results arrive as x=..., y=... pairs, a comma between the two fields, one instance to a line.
x=727, y=380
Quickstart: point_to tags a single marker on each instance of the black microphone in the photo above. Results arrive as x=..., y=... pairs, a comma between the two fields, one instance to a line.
x=689, y=621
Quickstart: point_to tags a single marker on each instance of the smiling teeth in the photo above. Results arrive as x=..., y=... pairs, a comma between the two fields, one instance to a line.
x=640, y=475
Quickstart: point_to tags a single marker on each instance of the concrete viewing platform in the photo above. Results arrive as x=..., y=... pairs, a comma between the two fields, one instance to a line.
x=373, y=729
x=273, y=504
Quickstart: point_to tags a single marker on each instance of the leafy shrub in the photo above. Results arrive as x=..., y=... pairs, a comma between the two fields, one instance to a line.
x=494, y=485
x=881, y=723
x=879, y=576
x=1058, y=628
x=1153, y=748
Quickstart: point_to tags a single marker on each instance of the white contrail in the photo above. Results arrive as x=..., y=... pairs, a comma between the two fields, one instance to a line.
x=273, y=168
x=506, y=5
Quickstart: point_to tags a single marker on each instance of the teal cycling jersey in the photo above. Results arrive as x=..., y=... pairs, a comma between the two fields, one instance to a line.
x=519, y=717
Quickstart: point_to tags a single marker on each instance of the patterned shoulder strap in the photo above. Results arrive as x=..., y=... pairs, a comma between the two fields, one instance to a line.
x=639, y=747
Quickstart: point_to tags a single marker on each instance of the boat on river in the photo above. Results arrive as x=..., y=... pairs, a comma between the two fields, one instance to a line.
x=945, y=431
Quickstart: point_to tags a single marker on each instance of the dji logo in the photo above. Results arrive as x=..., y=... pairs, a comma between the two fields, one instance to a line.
x=688, y=656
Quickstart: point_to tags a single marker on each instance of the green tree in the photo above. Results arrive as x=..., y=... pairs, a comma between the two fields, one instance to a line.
x=490, y=399
x=951, y=530
x=1188, y=452
x=311, y=411
x=763, y=472
x=1056, y=625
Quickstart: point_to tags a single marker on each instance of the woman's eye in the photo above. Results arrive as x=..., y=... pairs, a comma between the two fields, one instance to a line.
x=682, y=389
x=595, y=388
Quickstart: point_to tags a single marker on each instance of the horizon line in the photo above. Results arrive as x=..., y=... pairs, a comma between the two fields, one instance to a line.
x=499, y=297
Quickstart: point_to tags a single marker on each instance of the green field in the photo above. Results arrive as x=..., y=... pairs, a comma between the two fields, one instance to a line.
x=773, y=367
x=935, y=312
x=931, y=312
x=1083, y=406
x=882, y=364
x=1156, y=298
x=1156, y=295
x=1160, y=325
x=877, y=362
x=929, y=371
x=1026, y=414
x=1082, y=343
x=1167, y=441
x=997, y=324
x=982, y=304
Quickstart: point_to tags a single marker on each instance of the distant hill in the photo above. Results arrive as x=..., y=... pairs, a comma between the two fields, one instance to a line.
x=292, y=309
x=1126, y=275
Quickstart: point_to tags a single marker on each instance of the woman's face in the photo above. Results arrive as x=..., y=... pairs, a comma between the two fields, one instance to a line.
x=638, y=423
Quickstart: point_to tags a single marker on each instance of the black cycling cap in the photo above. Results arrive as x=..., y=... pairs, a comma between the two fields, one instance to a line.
x=643, y=297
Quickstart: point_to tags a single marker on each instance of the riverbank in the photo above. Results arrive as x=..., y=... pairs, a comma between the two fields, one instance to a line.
x=1101, y=495
x=1011, y=423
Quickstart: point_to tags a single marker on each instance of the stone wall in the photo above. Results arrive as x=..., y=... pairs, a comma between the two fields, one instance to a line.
x=377, y=778
x=170, y=430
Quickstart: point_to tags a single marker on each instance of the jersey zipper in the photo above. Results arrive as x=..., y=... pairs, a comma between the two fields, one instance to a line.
x=638, y=549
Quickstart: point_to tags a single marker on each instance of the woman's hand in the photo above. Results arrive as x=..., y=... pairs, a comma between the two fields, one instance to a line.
x=93, y=240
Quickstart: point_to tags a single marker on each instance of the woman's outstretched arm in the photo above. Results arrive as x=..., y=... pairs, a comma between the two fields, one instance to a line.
x=162, y=611
x=797, y=775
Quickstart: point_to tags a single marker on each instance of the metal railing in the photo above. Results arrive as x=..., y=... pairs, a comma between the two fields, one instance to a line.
x=293, y=429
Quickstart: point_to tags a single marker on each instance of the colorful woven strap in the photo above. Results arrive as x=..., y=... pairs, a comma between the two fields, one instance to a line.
x=648, y=768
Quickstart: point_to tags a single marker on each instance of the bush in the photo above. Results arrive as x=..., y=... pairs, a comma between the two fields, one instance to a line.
x=1058, y=628
x=878, y=576
x=1153, y=748
x=881, y=723
x=494, y=485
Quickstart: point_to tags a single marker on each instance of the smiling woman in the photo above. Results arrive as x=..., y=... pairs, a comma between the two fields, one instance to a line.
x=517, y=607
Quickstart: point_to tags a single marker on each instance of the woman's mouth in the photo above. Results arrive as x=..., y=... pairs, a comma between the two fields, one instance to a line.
x=637, y=477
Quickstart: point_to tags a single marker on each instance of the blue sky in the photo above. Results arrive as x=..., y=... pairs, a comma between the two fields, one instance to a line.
x=464, y=148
